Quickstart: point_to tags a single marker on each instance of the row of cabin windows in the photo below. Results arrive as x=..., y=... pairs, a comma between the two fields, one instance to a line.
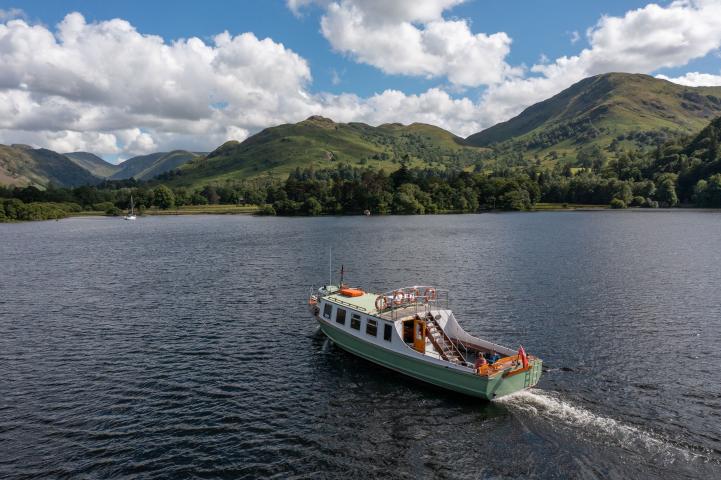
x=355, y=322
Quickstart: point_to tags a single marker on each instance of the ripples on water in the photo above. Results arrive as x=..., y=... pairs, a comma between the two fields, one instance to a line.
x=181, y=347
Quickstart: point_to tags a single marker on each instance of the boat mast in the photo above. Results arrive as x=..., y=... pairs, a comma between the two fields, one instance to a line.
x=330, y=266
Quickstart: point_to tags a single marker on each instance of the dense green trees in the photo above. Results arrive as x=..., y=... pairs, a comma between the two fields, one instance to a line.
x=14, y=209
x=407, y=191
x=707, y=193
x=163, y=197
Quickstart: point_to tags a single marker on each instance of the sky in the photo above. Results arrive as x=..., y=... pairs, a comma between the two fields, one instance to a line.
x=128, y=78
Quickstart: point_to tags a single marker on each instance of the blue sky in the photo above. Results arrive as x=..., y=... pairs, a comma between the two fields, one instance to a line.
x=332, y=69
x=543, y=28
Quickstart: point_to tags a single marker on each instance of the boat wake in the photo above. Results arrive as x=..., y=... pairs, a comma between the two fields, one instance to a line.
x=563, y=415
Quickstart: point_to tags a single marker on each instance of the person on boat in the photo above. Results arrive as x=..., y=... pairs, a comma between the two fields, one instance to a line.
x=480, y=362
x=494, y=358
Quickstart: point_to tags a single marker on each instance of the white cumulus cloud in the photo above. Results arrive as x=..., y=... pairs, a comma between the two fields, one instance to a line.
x=695, y=79
x=411, y=37
x=108, y=77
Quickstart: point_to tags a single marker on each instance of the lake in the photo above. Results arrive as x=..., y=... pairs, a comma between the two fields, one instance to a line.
x=182, y=347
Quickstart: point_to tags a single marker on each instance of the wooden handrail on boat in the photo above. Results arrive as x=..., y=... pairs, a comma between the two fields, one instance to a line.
x=511, y=373
x=447, y=339
x=502, y=365
x=438, y=348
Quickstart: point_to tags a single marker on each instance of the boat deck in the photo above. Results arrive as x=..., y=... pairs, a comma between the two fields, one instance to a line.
x=365, y=303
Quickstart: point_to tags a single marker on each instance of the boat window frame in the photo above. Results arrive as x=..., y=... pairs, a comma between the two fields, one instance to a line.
x=374, y=325
x=340, y=318
x=355, y=321
x=387, y=332
x=327, y=310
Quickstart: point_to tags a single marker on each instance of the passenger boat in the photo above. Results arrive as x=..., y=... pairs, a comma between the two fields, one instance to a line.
x=411, y=330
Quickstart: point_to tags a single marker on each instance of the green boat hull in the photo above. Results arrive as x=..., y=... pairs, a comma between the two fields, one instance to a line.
x=467, y=383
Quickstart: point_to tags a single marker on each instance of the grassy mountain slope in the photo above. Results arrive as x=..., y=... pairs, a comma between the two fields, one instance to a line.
x=145, y=167
x=21, y=165
x=93, y=164
x=611, y=111
x=322, y=143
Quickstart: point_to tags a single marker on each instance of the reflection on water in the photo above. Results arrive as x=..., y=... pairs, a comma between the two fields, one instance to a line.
x=182, y=347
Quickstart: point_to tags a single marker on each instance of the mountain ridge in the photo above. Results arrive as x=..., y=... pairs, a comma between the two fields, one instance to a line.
x=93, y=163
x=600, y=109
x=21, y=165
x=145, y=167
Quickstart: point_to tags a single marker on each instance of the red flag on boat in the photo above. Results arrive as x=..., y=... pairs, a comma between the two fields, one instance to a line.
x=522, y=356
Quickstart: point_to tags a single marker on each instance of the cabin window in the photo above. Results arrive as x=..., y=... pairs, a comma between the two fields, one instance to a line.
x=355, y=321
x=372, y=327
x=340, y=316
x=326, y=310
x=387, y=332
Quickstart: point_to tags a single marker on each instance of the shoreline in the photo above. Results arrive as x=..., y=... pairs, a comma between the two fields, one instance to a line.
x=233, y=210
x=255, y=211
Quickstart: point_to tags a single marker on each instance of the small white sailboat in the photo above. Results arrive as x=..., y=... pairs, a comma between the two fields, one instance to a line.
x=131, y=214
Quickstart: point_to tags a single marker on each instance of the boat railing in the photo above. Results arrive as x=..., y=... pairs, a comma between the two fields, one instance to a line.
x=349, y=305
x=418, y=299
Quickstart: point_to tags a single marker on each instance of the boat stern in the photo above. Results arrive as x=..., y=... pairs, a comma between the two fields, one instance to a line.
x=515, y=381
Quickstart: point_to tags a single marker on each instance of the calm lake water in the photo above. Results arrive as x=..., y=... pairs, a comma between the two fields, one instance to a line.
x=181, y=347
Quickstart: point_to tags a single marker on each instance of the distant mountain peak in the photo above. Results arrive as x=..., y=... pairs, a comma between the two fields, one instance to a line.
x=603, y=108
x=92, y=163
x=319, y=118
x=145, y=167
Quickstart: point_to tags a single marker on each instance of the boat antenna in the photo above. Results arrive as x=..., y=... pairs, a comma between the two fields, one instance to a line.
x=330, y=266
x=341, y=276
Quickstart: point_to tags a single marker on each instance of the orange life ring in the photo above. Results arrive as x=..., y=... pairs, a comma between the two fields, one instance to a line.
x=430, y=294
x=381, y=303
x=398, y=297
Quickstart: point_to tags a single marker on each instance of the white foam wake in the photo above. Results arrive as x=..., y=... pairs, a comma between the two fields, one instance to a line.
x=562, y=414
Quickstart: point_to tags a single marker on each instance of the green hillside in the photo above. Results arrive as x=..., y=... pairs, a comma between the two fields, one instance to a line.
x=21, y=165
x=321, y=143
x=613, y=111
x=145, y=167
x=92, y=163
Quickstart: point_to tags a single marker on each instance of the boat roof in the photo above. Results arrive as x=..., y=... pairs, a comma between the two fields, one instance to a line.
x=366, y=303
